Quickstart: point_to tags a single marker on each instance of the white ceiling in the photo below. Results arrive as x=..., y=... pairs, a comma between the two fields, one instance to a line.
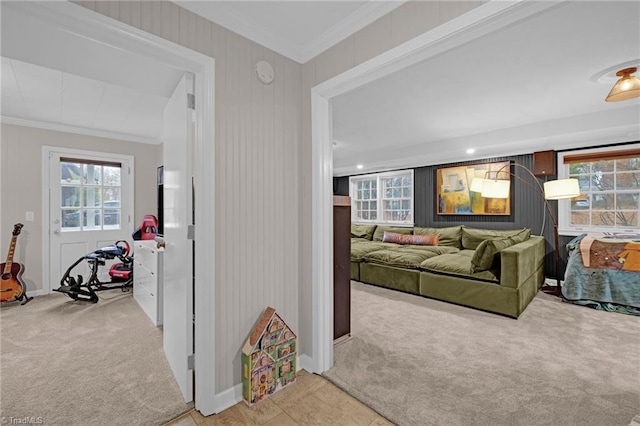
x=37, y=94
x=526, y=87
x=299, y=30
x=55, y=78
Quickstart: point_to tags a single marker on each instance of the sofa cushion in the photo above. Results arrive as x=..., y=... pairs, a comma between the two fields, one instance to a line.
x=405, y=256
x=360, y=247
x=472, y=237
x=485, y=254
x=379, y=232
x=362, y=231
x=449, y=236
x=417, y=240
x=521, y=236
x=457, y=264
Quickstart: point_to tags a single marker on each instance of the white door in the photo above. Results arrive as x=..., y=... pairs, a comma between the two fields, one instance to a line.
x=89, y=207
x=177, y=316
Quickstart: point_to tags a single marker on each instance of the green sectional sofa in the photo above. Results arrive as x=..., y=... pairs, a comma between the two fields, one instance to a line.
x=496, y=271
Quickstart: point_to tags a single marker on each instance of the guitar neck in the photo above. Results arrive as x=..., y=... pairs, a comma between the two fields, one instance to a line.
x=12, y=249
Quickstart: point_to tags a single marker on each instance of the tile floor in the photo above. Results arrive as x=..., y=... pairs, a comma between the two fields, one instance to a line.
x=312, y=400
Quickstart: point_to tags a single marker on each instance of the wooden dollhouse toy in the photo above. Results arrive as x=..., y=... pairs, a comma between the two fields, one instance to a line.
x=268, y=358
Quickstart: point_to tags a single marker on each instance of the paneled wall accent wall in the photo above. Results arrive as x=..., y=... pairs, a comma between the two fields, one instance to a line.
x=527, y=208
x=256, y=173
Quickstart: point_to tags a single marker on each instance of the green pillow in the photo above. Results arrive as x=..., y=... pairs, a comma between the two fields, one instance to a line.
x=521, y=236
x=449, y=237
x=472, y=237
x=362, y=231
x=484, y=257
x=379, y=233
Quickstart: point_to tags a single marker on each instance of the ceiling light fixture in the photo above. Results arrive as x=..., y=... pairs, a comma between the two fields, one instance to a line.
x=359, y=166
x=627, y=87
x=470, y=151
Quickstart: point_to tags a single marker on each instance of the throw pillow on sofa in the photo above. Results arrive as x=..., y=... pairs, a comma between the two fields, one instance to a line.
x=449, y=236
x=521, y=236
x=379, y=233
x=362, y=231
x=485, y=255
x=472, y=237
x=416, y=240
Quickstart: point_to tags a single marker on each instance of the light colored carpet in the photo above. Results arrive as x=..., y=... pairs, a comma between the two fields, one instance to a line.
x=74, y=363
x=419, y=361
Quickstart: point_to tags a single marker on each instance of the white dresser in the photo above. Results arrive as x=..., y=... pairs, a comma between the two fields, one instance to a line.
x=147, y=278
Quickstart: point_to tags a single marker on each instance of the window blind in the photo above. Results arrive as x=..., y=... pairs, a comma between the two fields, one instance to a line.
x=601, y=156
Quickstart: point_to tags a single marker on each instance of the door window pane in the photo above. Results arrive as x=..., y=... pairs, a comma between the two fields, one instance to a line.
x=90, y=197
x=70, y=172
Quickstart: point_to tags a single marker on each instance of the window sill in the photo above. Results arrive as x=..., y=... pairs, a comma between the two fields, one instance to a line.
x=576, y=232
x=397, y=224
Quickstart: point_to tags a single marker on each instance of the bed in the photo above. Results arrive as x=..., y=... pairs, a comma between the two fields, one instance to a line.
x=603, y=272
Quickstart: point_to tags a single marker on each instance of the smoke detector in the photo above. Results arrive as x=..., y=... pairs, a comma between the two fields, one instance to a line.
x=264, y=71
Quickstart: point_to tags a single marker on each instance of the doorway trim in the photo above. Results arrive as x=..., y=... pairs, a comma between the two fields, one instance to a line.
x=487, y=18
x=93, y=25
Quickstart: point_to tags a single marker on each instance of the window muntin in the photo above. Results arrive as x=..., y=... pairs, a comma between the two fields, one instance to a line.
x=90, y=195
x=382, y=198
x=610, y=193
x=366, y=200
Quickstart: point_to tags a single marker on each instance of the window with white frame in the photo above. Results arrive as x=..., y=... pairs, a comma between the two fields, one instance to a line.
x=609, y=198
x=382, y=198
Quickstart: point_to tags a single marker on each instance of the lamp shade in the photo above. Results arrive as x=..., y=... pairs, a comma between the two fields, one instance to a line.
x=476, y=184
x=561, y=188
x=627, y=87
x=496, y=188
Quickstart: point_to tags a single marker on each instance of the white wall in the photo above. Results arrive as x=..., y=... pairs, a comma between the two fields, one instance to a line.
x=21, y=170
x=257, y=151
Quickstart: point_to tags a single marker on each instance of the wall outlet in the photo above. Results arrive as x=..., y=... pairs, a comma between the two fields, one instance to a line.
x=29, y=217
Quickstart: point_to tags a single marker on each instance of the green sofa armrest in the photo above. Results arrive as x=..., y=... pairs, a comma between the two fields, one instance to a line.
x=520, y=261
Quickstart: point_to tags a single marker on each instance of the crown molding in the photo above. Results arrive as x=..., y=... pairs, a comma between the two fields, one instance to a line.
x=77, y=130
x=353, y=23
x=358, y=19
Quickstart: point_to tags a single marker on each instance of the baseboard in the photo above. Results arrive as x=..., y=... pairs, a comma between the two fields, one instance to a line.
x=230, y=397
x=36, y=293
x=305, y=362
x=341, y=340
x=227, y=398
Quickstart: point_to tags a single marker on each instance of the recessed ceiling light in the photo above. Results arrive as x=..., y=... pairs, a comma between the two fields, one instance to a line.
x=359, y=166
x=470, y=151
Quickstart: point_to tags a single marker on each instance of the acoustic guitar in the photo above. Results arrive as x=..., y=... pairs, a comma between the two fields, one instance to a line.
x=12, y=287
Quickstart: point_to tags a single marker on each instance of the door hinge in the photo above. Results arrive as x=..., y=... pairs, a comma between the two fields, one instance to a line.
x=191, y=362
x=191, y=101
x=191, y=232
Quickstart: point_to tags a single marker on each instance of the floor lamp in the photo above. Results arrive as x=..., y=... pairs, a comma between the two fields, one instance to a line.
x=558, y=189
